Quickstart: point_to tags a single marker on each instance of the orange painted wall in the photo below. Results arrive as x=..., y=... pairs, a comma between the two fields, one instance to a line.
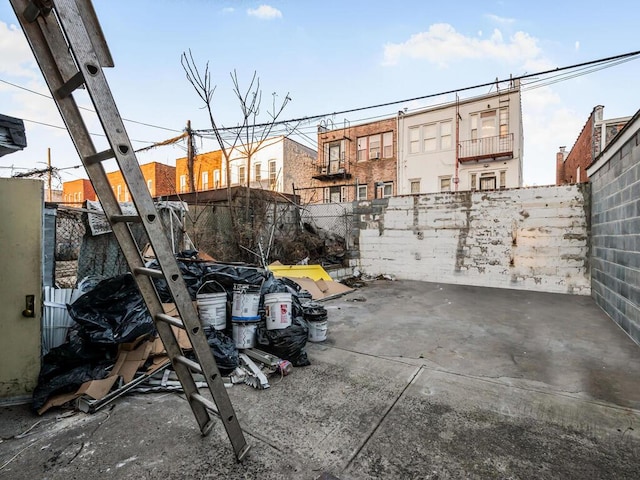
x=205, y=162
x=77, y=191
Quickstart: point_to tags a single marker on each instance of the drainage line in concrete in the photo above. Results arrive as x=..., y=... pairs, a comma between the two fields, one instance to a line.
x=375, y=428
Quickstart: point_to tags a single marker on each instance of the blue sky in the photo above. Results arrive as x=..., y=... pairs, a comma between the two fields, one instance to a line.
x=331, y=56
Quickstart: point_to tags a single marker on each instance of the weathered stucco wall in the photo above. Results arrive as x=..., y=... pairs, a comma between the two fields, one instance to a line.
x=529, y=238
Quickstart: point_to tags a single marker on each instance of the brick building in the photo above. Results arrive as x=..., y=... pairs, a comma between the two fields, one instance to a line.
x=278, y=164
x=207, y=172
x=595, y=136
x=354, y=163
x=160, y=181
x=77, y=191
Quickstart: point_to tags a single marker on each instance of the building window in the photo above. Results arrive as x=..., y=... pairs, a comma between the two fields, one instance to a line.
x=242, y=174
x=445, y=135
x=387, y=145
x=150, y=186
x=488, y=124
x=374, y=146
x=126, y=194
x=414, y=140
x=119, y=190
x=334, y=156
x=445, y=184
x=415, y=186
x=503, y=179
x=473, y=181
x=491, y=123
x=488, y=181
x=362, y=192
x=205, y=180
x=504, y=121
x=216, y=178
x=183, y=185
x=257, y=172
x=272, y=173
x=334, y=194
x=429, y=133
x=384, y=189
x=361, y=149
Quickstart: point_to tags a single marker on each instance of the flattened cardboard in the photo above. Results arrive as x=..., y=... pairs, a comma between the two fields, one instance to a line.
x=322, y=289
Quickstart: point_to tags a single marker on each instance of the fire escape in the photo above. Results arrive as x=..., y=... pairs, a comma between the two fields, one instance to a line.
x=333, y=159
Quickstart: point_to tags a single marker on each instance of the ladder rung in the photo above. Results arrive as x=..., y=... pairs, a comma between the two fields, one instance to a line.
x=190, y=364
x=70, y=85
x=99, y=157
x=176, y=322
x=150, y=272
x=208, y=404
x=125, y=218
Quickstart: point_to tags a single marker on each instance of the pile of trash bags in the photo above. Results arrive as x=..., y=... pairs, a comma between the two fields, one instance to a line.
x=112, y=313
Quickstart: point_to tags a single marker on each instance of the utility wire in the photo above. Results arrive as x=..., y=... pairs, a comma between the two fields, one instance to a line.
x=447, y=92
x=87, y=109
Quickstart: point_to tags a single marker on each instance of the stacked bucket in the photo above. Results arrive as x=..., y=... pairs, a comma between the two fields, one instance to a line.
x=244, y=315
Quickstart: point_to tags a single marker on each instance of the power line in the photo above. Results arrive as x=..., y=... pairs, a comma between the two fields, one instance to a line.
x=447, y=92
x=85, y=108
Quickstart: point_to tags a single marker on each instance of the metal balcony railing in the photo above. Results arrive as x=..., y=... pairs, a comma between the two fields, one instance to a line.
x=500, y=146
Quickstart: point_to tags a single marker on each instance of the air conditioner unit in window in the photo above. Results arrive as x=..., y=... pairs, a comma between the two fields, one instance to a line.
x=341, y=170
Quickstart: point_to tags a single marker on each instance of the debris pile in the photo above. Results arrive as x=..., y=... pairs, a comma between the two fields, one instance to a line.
x=256, y=325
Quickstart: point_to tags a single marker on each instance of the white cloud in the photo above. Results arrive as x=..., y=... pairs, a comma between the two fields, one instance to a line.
x=501, y=20
x=265, y=12
x=442, y=45
x=17, y=59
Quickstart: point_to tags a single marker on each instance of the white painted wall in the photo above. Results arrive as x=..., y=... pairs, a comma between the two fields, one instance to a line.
x=429, y=167
x=527, y=238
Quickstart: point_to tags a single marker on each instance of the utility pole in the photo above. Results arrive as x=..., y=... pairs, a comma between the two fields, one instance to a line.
x=49, y=174
x=190, y=157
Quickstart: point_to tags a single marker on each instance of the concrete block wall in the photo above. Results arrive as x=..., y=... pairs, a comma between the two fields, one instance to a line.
x=616, y=232
x=529, y=238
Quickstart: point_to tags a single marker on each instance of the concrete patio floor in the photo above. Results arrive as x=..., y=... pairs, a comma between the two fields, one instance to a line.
x=416, y=380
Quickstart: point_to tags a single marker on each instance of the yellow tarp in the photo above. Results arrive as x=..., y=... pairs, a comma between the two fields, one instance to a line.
x=314, y=272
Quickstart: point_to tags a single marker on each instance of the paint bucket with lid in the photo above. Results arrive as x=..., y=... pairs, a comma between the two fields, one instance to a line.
x=246, y=299
x=244, y=334
x=277, y=308
x=318, y=331
x=316, y=316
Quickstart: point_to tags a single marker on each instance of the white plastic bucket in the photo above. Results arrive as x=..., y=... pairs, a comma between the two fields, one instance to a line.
x=212, y=308
x=246, y=299
x=318, y=331
x=278, y=310
x=244, y=334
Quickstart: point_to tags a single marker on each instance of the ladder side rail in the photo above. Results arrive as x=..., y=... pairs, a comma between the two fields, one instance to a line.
x=100, y=94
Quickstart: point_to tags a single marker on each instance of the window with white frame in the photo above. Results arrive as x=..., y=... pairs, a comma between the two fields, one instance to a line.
x=361, y=149
x=414, y=186
x=490, y=123
x=374, y=146
x=242, y=174
x=445, y=135
x=216, y=178
x=414, y=139
x=257, y=172
x=473, y=181
x=362, y=192
x=503, y=179
x=272, y=173
x=504, y=121
x=430, y=137
x=387, y=145
x=205, y=180
x=183, y=185
x=445, y=184
x=126, y=194
x=384, y=189
x=119, y=190
x=335, y=194
x=150, y=186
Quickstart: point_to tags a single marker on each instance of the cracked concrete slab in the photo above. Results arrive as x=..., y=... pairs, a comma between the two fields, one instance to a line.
x=419, y=380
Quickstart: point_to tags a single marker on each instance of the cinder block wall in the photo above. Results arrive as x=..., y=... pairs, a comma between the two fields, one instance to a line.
x=616, y=236
x=529, y=238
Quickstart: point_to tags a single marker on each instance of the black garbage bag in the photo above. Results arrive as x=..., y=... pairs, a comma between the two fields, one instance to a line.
x=196, y=273
x=287, y=343
x=113, y=312
x=224, y=351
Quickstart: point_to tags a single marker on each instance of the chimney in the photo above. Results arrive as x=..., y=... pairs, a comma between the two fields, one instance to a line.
x=561, y=156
